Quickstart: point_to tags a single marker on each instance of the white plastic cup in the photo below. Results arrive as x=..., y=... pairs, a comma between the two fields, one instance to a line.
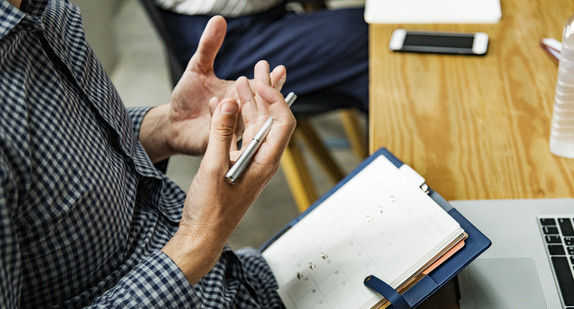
x=562, y=127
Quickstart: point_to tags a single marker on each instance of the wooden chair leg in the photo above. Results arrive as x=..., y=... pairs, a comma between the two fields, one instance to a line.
x=354, y=133
x=319, y=151
x=295, y=167
x=297, y=175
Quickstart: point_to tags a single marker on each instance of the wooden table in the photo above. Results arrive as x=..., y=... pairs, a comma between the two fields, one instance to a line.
x=475, y=127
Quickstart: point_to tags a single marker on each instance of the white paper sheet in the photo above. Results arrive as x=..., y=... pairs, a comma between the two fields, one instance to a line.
x=380, y=222
x=432, y=11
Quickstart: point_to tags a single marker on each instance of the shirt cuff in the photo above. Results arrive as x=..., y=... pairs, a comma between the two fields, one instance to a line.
x=156, y=282
x=136, y=115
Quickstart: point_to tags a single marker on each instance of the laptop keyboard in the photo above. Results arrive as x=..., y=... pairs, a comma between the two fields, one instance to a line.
x=558, y=234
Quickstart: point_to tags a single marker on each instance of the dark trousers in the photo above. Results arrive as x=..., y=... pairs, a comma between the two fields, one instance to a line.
x=325, y=50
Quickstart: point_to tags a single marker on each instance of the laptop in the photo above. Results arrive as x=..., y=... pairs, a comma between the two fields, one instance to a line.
x=531, y=261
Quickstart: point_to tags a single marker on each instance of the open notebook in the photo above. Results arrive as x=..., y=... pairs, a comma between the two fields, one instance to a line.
x=379, y=221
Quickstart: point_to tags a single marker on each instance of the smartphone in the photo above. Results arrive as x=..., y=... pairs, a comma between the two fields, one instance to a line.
x=403, y=40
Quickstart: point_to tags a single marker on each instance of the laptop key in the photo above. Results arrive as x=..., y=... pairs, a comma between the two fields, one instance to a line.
x=566, y=226
x=547, y=221
x=570, y=250
x=553, y=239
x=556, y=250
x=564, y=278
x=569, y=241
x=550, y=230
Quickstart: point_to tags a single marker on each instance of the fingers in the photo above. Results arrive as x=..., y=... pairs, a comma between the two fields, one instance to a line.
x=283, y=121
x=277, y=106
x=258, y=105
x=213, y=102
x=254, y=110
x=247, y=99
x=209, y=44
x=278, y=77
x=262, y=77
x=262, y=72
x=221, y=136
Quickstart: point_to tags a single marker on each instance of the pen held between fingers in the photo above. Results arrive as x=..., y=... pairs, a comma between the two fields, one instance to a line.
x=246, y=156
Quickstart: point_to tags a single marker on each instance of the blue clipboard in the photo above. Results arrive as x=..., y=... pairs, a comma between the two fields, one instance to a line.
x=475, y=244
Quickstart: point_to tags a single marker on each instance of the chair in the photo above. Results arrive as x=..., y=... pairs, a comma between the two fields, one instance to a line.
x=293, y=162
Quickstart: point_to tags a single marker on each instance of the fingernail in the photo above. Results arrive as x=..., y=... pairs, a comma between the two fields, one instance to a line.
x=229, y=108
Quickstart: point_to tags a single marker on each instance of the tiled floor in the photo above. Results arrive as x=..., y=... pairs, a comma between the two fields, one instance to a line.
x=141, y=78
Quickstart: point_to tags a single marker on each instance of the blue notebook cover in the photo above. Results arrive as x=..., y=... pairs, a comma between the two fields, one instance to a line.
x=475, y=244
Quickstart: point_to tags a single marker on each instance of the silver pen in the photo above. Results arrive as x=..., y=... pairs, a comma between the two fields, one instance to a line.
x=245, y=157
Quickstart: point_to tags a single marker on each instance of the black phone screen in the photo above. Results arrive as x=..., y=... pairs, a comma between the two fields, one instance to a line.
x=438, y=40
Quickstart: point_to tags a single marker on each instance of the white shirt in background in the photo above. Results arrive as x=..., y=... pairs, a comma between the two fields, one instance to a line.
x=226, y=8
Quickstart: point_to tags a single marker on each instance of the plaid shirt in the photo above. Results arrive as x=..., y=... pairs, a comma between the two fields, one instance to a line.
x=83, y=212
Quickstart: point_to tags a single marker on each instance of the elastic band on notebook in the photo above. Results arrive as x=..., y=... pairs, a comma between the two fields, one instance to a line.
x=397, y=301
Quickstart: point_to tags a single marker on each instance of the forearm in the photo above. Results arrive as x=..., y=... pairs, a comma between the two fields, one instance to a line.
x=195, y=255
x=153, y=133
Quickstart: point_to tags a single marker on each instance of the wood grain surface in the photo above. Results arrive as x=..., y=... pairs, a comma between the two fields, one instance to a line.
x=475, y=127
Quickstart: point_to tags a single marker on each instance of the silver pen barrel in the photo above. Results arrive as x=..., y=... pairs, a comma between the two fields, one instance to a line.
x=237, y=169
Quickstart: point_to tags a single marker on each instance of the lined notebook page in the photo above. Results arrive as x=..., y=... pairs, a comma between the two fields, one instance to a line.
x=378, y=223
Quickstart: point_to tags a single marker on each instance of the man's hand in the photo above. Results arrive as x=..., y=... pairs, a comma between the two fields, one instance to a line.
x=214, y=207
x=183, y=125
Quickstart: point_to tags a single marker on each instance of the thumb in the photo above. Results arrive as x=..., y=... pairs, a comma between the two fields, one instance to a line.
x=209, y=44
x=221, y=134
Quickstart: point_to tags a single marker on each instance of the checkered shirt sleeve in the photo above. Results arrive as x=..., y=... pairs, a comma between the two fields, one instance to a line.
x=83, y=212
x=156, y=282
x=136, y=115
